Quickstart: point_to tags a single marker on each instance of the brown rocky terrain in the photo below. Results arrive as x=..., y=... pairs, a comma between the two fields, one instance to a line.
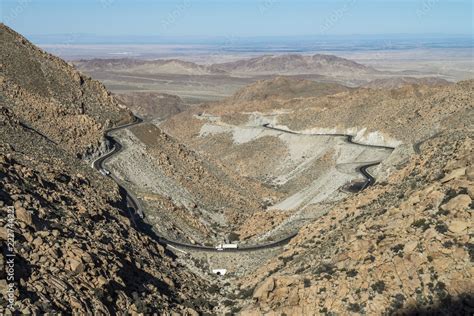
x=401, y=246
x=267, y=64
x=76, y=249
x=197, y=83
x=398, y=82
x=211, y=197
x=401, y=113
x=42, y=89
x=287, y=88
x=149, y=105
x=165, y=66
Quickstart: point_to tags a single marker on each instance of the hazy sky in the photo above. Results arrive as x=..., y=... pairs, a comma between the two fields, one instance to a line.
x=237, y=18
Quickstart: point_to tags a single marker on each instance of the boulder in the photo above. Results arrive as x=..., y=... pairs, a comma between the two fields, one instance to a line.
x=455, y=174
x=262, y=291
x=457, y=203
x=457, y=226
x=23, y=215
x=76, y=266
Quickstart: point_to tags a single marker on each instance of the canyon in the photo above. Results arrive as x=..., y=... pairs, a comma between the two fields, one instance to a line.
x=340, y=198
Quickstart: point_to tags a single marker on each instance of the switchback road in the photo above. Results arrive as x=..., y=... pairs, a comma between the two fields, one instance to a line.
x=133, y=202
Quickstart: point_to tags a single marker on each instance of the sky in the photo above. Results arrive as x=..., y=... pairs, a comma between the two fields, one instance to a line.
x=243, y=18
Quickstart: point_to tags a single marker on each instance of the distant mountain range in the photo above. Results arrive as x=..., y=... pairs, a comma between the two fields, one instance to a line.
x=160, y=66
x=263, y=65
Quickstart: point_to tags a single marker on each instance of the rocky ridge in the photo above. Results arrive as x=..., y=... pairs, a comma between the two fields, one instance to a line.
x=165, y=66
x=42, y=89
x=76, y=249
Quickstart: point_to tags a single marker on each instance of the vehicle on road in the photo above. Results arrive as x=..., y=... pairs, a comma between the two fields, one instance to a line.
x=105, y=172
x=221, y=247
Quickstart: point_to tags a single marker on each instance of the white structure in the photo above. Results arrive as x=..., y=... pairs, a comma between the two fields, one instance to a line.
x=219, y=271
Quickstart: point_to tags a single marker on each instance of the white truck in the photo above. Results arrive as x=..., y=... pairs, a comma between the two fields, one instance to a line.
x=219, y=271
x=221, y=247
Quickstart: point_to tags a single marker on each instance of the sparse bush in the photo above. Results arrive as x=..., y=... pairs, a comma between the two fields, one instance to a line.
x=246, y=293
x=378, y=287
x=470, y=250
x=398, y=301
x=213, y=289
x=441, y=228
x=421, y=223
x=307, y=282
x=325, y=268
x=398, y=249
x=354, y=307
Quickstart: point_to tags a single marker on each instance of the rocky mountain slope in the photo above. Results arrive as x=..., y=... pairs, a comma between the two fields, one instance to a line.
x=404, y=246
x=149, y=105
x=76, y=249
x=398, y=82
x=287, y=88
x=401, y=246
x=267, y=64
x=43, y=89
x=398, y=114
x=209, y=199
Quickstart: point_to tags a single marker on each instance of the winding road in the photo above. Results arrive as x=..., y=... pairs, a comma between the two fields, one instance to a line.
x=133, y=202
x=370, y=180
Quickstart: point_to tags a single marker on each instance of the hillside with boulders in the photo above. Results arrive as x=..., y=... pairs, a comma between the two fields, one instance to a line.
x=77, y=251
x=50, y=96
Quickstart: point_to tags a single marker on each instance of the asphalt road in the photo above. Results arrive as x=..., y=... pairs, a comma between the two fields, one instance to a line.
x=134, y=204
x=370, y=180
